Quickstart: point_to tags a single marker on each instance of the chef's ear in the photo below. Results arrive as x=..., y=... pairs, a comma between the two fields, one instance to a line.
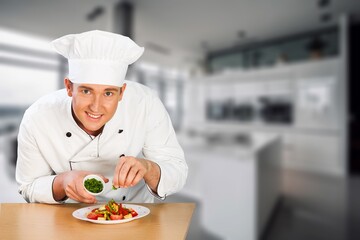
x=68, y=85
x=122, y=90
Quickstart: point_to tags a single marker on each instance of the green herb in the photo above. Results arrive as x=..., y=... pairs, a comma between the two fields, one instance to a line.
x=113, y=187
x=93, y=185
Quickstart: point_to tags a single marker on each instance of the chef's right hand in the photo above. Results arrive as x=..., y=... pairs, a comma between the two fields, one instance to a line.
x=70, y=184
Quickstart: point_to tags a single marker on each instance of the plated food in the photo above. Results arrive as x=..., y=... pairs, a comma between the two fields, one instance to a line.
x=111, y=213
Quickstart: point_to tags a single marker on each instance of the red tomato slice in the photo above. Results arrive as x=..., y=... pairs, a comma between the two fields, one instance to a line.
x=116, y=217
x=134, y=214
x=92, y=215
x=95, y=209
x=124, y=211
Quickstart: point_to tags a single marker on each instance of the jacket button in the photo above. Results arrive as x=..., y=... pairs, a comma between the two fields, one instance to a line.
x=120, y=131
x=68, y=134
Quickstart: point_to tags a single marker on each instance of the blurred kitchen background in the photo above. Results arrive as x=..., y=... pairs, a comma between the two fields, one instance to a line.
x=262, y=94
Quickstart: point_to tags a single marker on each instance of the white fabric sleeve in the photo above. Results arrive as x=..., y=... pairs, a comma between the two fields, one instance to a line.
x=33, y=173
x=162, y=147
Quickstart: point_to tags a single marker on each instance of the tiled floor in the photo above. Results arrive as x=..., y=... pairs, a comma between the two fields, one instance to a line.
x=353, y=224
x=317, y=207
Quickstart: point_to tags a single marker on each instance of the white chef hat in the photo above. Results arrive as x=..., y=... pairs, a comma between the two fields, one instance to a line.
x=98, y=57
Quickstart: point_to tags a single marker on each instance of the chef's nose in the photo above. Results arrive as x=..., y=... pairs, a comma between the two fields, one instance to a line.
x=96, y=103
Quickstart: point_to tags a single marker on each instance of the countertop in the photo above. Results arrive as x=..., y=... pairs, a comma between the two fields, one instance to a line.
x=232, y=143
x=45, y=221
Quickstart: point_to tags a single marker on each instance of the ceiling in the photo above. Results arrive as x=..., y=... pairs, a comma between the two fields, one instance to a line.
x=179, y=33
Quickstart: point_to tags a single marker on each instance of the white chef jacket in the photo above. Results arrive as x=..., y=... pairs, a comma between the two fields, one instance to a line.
x=50, y=142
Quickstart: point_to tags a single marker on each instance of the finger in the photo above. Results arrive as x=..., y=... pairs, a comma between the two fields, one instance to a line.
x=116, y=180
x=73, y=197
x=103, y=178
x=131, y=176
x=118, y=167
x=83, y=196
x=71, y=194
x=79, y=194
x=139, y=176
x=124, y=171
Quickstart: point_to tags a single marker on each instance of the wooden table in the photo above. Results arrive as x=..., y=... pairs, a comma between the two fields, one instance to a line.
x=44, y=221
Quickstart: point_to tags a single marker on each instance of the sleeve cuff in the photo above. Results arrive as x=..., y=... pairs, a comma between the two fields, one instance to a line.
x=62, y=200
x=156, y=195
x=43, y=192
x=160, y=195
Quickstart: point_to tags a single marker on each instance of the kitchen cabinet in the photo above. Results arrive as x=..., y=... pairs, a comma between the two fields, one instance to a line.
x=313, y=152
x=318, y=96
x=317, y=68
x=279, y=87
x=304, y=102
x=237, y=184
x=194, y=104
x=316, y=104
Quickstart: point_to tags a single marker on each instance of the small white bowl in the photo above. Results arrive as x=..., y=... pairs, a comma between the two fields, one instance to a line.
x=91, y=176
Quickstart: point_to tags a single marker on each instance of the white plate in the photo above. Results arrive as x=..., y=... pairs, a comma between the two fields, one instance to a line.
x=82, y=212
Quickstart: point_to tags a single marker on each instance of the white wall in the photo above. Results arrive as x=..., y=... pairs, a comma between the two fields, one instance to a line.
x=24, y=78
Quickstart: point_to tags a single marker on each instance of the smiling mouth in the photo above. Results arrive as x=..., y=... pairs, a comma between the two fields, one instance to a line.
x=93, y=116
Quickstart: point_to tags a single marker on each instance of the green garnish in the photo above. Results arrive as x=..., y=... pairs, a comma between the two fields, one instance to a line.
x=93, y=185
x=113, y=187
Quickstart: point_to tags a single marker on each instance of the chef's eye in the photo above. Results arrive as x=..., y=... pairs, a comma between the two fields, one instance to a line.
x=86, y=91
x=109, y=94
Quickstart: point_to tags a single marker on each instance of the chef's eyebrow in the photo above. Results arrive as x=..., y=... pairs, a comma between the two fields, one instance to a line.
x=112, y=89
x=106, y=89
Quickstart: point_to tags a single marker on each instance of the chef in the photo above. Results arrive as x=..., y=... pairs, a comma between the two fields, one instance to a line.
x=99, y=124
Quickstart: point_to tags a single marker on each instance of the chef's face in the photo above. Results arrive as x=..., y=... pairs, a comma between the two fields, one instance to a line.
x=93, y=105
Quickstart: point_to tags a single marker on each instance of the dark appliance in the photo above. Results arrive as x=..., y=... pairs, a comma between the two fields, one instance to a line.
x=243, y=112
x=274, y=110
x=219, y=110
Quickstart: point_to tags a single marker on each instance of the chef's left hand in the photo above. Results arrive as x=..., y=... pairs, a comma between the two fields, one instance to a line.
x=130, y=170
